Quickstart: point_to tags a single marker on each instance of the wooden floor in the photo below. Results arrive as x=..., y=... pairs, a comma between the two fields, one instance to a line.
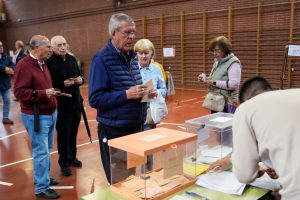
x=15, y=152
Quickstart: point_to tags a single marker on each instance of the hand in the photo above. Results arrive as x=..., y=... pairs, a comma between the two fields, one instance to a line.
x=136, y=92
x=202, y=77
x=78, y=80
x=265, y=169
x=152, y=94
x=69, y=82
x=208, y=82
x=51, y=92
x=59, y=93
x=276, y=195
x=220, y=165
x=9, y=71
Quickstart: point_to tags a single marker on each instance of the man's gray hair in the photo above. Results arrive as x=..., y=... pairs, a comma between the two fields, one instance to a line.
x=116, y=20
x=37, y=40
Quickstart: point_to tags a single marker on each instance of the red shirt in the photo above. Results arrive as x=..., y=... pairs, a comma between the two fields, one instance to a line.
x=29, y=77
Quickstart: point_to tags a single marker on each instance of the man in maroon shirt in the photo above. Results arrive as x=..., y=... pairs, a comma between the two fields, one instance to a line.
x=33, y=87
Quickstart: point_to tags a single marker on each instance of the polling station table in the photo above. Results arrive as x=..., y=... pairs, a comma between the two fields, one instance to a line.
x=250, y=193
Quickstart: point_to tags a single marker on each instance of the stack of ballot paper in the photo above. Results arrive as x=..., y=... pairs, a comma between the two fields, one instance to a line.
x=210, y=155
x=221, y=181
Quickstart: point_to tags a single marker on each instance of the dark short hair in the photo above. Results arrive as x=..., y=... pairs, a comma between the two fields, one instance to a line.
x=252, y=87
x=222, y=42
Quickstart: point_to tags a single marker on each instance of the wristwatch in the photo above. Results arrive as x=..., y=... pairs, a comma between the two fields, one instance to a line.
x=34, y=93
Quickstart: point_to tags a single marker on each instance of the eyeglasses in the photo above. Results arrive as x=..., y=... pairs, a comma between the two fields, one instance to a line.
x=216, y=50
x=127, y=34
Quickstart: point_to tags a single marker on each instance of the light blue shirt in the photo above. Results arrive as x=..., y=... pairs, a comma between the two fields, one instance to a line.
x=154, y=72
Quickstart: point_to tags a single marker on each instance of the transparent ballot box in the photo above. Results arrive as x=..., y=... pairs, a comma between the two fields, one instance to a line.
x=151, y=164
x=214, y=136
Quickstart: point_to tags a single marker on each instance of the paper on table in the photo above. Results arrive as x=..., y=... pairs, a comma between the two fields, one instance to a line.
x=151, y=138
x=221, y=119
x=266, y=182
x=221, y=181
x=179, y=197
x=217, y=151
x=211, y=155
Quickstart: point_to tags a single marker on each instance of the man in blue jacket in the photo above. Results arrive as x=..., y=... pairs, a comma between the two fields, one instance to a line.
x=115, y=87
x=6, y=72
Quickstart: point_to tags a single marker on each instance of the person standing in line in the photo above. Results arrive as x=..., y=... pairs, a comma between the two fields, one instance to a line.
x=116, y=87
x=33, y=87
x=226, y=71
x=66, y=77
x=6, y=73
x=19, y=52
x=149, y=71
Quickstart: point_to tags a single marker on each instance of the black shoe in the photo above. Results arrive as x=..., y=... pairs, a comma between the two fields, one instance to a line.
x=66, y=171
x=48, y=194
x=54, y=181
x=7, y=121
x=76, y=163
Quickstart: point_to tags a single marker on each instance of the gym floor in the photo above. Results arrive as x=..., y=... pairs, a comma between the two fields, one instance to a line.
x=16, y=165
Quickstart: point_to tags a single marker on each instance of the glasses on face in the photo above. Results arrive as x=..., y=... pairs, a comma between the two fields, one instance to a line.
x=127, y=34
x=216, y=50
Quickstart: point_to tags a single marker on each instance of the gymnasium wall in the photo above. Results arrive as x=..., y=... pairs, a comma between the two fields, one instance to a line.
x=258, y=31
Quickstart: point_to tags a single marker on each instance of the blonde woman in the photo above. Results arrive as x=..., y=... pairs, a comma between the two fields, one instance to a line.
x=145, y=52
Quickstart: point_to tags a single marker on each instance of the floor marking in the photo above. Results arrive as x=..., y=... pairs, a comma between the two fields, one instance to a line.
x=17, y=133
x=201, y=90
x=62, y=187
x=198, y=102
x=53, y=152
x=188, y=100
x=6, y=183
x=24, y=131
x=182, y=127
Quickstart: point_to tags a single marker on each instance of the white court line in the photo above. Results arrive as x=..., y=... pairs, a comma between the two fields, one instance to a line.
x=188, y=100
x=198, y=102
x=53, y=152
x=17, y=133
x=201, y=90
x=177, y=107
x=62, y=187
x=182, y=127
x=24, y=131
x=6, y=183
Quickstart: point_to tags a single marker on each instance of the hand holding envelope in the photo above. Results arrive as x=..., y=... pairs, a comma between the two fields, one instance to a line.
x=149, y=92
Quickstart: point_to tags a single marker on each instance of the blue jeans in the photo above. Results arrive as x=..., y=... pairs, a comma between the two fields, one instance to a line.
x=41, y=144
x=6, y=102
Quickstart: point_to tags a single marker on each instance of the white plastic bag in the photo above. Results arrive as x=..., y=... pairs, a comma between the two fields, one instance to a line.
x=158, y=108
